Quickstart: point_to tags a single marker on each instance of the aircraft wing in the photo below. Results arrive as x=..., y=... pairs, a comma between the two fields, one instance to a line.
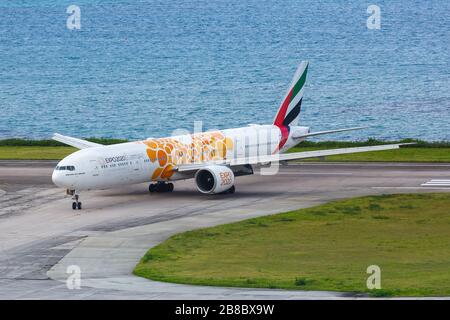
x=286, y=157
x=300, y=136
x=75, y=142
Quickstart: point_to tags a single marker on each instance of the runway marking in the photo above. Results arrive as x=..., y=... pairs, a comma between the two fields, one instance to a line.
x=418, y=187
x=318, y=173
x=437, y=183
x=370, y=164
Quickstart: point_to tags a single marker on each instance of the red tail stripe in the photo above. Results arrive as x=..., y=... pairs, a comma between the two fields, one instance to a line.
x=282, y=113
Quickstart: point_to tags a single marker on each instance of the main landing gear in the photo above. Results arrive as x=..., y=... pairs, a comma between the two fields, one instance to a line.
x=160, y=187
x=231, y=190
x=76, y=204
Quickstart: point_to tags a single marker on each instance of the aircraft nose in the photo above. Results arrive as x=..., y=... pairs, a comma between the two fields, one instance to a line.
x=57, y=178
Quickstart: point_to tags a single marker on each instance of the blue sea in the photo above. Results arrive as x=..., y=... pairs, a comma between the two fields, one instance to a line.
x=140, y=69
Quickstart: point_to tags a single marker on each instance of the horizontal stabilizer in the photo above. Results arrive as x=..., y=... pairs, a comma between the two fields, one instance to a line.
x=75, y=142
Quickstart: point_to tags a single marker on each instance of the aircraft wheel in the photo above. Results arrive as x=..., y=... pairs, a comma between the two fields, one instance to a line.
x=152, y=188
x=74, y=205
x=170, y=187
x=79, y=205
x=232, y=189
x=161, y=187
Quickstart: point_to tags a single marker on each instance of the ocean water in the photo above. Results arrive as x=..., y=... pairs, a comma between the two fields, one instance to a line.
x=140, y=69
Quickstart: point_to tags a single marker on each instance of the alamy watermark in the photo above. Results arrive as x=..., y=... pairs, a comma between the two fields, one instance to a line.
x=73, y=281
x=374, y=20
x=74, y=19
x=374, y=280
x=255, y=145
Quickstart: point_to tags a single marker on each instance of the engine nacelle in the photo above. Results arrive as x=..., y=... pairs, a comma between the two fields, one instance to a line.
x=214, y=179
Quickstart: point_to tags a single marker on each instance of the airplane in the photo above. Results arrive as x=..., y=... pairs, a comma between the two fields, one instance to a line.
x=212, y=158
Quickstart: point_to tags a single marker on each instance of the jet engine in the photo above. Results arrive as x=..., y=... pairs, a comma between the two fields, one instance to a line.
x=214, y=179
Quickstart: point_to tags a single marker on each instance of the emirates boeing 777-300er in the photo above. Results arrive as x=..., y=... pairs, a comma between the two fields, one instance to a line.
x=213, y=158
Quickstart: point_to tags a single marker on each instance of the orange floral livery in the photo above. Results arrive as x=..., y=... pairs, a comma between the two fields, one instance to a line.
x=169, y=152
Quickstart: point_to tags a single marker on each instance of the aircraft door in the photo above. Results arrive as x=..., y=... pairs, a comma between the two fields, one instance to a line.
x=137, y=166
x=95, y=168
x=136, y=162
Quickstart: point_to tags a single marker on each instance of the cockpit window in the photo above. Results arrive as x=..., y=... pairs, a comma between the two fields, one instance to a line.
x=70, y=168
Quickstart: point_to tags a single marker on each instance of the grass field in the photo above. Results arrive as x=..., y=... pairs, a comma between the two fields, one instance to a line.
x=399, y=155
x=34, y=152
x=327, y=247
x=423, y=152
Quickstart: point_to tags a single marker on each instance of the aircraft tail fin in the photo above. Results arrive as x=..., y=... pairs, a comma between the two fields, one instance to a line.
x=289, y=110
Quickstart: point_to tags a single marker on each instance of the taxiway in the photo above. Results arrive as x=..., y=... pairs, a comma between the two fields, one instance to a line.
x=40, y=235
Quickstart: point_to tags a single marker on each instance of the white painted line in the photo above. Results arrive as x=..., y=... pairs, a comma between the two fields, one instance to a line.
x=318, y=173
x=418, y=187
x=370, y=164
x=437, y=182
x=444, y=182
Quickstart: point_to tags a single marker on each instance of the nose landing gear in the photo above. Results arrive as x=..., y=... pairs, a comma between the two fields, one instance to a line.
x=160, y=187
x=76, y=204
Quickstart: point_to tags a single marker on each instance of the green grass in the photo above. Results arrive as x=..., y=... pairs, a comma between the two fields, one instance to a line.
x=327, y=247
x=34, y=153
x=404, y=154
x=421, y=152
x=374, y=142
x=22, y=149
x=52, y=143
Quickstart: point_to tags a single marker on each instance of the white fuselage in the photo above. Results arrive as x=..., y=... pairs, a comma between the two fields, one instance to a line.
x=156, y=159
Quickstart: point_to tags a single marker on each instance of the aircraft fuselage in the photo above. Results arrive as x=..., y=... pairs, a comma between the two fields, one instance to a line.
x=155, y=159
